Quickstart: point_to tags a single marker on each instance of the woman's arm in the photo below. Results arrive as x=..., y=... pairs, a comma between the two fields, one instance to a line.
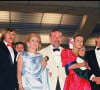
x=19, y=69
x=78, y=65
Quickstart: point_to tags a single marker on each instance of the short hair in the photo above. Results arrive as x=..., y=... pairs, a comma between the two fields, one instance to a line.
x=55, y=31
x=97, y=36
x=19, y=43
x=29, y=36
x=4, y=31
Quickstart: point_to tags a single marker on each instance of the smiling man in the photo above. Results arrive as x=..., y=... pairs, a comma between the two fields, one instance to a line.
x=53, y=51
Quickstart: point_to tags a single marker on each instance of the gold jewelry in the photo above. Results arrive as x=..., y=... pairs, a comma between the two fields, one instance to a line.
x=19, y=81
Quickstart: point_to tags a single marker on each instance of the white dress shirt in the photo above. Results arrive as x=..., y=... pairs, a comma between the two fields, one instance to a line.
x=57, y=59
x=97, y=53
x=11, y=51
x=56, y=56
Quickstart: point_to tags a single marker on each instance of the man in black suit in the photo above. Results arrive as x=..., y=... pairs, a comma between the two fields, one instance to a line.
x=93, y=58
x=8, y=79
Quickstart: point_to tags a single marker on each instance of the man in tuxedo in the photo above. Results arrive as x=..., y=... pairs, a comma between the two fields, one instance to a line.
x=54, y=65
x=93, y=58
x=8, y=79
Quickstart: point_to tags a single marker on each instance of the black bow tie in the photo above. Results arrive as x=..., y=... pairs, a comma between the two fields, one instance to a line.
x=98, y=48
x=56, y=49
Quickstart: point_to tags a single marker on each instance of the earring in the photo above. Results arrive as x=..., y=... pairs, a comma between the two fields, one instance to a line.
x=28, y=47
x=37, y=50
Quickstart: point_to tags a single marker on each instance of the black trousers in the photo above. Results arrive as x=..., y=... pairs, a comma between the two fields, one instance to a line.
x=58, y=84
x=94, y=86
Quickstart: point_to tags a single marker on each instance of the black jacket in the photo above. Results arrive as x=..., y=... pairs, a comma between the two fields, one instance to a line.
x=8, y=76
x=92, y=61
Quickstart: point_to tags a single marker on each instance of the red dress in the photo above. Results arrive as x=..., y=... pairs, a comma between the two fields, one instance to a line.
x=73, y=81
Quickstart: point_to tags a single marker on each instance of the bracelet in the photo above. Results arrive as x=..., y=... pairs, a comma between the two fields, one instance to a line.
x=19, y=81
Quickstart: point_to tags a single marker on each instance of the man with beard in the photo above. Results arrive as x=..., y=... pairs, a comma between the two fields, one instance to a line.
x=8, y=78
x=54, y=65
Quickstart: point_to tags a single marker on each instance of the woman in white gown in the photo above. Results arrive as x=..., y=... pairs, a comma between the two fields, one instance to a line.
x=30, y=72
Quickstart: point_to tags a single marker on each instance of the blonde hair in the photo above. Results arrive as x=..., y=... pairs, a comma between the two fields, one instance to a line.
x=83, y=48
x=29, y=36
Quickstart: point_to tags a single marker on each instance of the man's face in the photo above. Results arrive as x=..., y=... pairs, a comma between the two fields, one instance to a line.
x=56, y=38
x=10, y=37
x=19, y=47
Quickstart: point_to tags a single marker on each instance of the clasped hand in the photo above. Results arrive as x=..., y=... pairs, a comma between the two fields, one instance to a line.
x=96, y=79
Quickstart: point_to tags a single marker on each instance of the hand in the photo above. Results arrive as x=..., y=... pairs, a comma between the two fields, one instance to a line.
x=85, y=64
x=96, y=79
x=44, y=63
x=50, y=74
x=21, y=86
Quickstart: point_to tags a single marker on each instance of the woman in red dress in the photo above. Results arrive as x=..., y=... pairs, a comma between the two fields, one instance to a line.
x=74, y=81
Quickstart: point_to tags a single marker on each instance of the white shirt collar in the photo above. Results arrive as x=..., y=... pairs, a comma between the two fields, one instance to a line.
x=5, y=43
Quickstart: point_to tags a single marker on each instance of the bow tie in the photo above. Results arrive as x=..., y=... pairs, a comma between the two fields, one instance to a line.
x=10, y=45
x=56, y=49
x=98, y=48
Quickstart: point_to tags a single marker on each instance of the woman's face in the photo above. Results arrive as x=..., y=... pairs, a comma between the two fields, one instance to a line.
x=34, y=43
x=78, y=42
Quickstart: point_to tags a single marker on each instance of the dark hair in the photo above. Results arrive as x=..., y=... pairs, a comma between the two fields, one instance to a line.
x=19, y=43
x=97, y=36
x=54, y=31
x=4, y=31
x=77, y=35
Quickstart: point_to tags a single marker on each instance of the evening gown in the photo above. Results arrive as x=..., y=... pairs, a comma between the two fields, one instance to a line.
x=33, y=75
x=76, y=79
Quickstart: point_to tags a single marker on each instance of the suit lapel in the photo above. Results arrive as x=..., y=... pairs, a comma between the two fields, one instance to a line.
x=15, y=54
x=7, y=52
x=94, y=61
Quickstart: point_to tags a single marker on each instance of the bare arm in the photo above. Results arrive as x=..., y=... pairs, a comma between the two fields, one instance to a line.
x=19, y=69
x=78, y=65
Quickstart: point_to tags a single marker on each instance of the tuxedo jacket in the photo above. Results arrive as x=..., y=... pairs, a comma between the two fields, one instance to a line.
x=93, y=64
x=8, y=77
x=51, y=65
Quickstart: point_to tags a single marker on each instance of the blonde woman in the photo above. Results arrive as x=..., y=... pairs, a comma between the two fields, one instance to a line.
x=30, y=72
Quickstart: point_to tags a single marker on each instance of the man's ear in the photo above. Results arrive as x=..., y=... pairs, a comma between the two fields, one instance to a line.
x=50, y=39
x=96, y=39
